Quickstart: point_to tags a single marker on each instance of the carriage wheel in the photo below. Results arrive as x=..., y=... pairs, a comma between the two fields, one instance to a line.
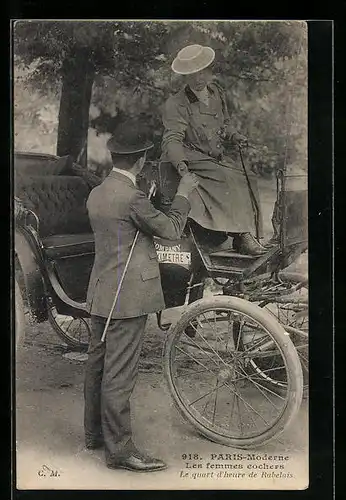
x=75, y=332
x=19, y=316
x=22, y=309
x=209, y=377
x=290, y=308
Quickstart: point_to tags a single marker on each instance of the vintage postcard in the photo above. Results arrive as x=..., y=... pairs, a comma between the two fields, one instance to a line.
x=161, y=265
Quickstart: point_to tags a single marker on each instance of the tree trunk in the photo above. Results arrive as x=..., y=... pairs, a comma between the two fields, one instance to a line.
x=77, y=82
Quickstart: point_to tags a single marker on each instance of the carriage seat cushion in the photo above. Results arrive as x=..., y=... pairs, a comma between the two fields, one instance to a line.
x=67, y=245
x=58, y=201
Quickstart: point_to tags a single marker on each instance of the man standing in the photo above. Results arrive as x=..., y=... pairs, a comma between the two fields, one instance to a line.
x=117, y=210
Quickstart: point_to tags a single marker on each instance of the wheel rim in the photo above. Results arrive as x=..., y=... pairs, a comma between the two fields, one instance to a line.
x=74, y=331
x=295, y=320
x=19, y=316
x=211, y=374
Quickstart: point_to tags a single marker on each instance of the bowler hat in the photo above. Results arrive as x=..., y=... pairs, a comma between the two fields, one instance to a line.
x=192, y=59
x=129, y=137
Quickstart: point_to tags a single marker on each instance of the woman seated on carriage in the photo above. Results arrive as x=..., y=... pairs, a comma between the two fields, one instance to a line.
x=225, y=210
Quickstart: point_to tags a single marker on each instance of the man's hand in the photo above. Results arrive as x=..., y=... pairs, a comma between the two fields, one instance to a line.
x=182, y=168
x=239, y=139
x=187, y=184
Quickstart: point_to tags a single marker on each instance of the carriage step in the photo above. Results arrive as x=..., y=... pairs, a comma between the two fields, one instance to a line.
x=231, y=259
x=228, y=262
x=233, y=255
x=232, y=271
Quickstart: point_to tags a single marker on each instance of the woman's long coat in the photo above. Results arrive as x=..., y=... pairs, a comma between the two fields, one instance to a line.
x=226, y=198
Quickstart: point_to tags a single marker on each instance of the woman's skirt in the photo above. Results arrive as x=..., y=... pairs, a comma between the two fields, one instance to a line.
x=226, y=199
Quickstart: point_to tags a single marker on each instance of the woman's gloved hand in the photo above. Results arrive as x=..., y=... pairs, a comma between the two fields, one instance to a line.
x=188, y=183
x=239, y=139
x=232, y=138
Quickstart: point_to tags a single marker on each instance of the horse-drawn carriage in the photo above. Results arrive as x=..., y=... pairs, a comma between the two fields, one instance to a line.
x=236, y=361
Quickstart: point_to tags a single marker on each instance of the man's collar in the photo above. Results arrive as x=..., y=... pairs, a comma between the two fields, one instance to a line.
x=128, y=174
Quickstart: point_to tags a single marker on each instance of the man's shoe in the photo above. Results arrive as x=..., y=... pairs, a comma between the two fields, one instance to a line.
x=137, y=462
x=245, y=243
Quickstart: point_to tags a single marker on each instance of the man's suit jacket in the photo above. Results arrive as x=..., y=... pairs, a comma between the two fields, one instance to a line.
x=117, y=209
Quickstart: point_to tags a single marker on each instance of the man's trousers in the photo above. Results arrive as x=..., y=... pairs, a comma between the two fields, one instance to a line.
x=111, y=373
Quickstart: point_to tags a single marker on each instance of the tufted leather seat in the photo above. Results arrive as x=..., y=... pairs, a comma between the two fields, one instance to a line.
x=60, y=204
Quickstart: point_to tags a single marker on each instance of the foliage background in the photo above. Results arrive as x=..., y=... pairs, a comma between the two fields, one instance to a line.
x=262, y=66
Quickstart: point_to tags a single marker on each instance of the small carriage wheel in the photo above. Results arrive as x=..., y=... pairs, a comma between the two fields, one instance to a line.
x=22, y=309
x=75, y=332
x=19, y=316
x=208, y=374
x=291, y=310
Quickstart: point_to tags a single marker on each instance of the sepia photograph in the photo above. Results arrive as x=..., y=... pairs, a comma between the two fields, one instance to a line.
x=160, y=254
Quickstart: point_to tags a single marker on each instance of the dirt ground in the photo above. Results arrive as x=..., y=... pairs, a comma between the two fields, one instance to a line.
x=49, y=396
x=49, y=424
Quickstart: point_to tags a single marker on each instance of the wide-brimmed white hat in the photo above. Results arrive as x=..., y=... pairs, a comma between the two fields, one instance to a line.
x=192, y=59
